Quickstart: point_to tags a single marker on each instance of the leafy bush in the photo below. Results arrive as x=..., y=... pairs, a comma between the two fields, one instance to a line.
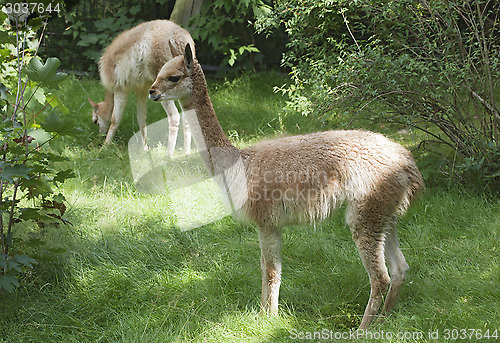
x=29, y=122
x=429, y=65
x=224, y=25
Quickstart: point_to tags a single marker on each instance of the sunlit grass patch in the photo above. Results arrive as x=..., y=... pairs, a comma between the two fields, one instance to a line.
x=130, y=274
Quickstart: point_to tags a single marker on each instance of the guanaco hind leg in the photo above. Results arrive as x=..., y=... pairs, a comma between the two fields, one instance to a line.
x=371, y=231
x=397, y=268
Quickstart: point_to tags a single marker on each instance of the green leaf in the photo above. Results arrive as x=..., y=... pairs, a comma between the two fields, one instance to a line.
x=54, y=101
x=13, y=265
x=232, y=58
x=59, y=197
x=5, y=55
x=8, y=282
x=104, y=24
x=88, y=39
x=3, y=261
x=249, y=48
x=45, y=74
x=38, y=187
x=135, y=9
x=36, y=93
x=34, y=243
x=31, y=214
x=61, y=177
x=4, y=37
x=61, y=125
x=35, y=23
x=4, y=91
x=18, y=170
x=40, y=137
x=25, y=260
x=58, y=250
x=261, y=9
x=215, y=41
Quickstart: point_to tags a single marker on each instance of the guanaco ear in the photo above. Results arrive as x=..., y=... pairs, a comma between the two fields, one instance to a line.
x=173, y=49
x=94, y=105
x=188, y=58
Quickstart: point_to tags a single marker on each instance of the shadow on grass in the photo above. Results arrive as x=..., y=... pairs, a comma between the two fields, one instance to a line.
x=130, y=276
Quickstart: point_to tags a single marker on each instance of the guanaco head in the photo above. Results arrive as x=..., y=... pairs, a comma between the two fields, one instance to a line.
x=101, y=115
x=173, y=81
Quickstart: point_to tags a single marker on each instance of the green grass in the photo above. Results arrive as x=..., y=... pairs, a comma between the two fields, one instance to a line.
x=128, y=274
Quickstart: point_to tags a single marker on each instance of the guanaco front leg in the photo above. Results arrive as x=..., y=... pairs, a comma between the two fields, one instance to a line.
x=120, y=101
x=142, y=110
x=173, y=125
x=270, y=245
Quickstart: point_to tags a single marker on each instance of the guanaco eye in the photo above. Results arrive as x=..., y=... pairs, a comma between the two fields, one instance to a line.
x=174, y=79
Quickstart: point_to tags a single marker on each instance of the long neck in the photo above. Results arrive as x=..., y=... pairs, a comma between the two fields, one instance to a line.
x=213, y=144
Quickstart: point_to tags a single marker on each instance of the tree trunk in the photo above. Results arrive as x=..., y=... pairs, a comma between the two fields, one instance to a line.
x=185, y=9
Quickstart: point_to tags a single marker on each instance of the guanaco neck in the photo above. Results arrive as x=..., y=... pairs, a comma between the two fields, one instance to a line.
x=214, y=146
